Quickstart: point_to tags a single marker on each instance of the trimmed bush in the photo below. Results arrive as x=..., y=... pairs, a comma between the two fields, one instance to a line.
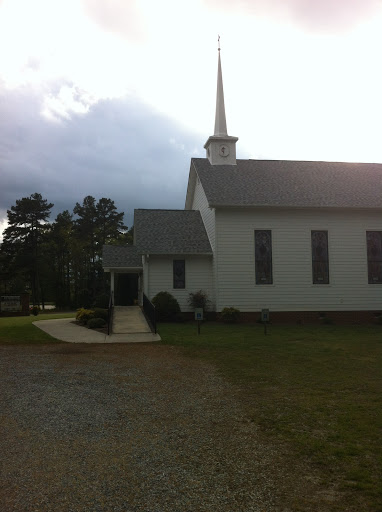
x=229, y=315
x=96, y=323
x=166, y=306
x=199, y=299
x=34, y=310
x=101, y=313
x=101, y=301
x=84, y=315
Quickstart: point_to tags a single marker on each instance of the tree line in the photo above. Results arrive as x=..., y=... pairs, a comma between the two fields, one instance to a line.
x=60, y=261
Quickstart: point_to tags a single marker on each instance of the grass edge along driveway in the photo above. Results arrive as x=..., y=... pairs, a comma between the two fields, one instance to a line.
x=20, y=329
x=315, y=388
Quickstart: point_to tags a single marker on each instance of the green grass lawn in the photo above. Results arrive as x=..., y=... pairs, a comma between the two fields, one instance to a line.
x=317, y=389
x=19, y=329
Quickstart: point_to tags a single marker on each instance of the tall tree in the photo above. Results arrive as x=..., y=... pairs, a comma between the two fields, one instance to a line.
x=60, y=248
x=96, y=224
x=23, y=238
x=85, y=251
x=109, y=222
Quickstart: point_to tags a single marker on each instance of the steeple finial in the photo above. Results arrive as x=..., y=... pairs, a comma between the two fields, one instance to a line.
x=220, y=120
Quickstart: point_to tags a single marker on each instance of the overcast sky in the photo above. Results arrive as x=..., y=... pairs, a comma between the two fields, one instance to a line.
x=112, y=98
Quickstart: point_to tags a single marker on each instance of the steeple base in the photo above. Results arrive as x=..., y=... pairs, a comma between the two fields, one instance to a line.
x=221, y=150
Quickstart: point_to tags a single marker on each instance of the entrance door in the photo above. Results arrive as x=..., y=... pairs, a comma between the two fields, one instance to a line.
x=126, y=289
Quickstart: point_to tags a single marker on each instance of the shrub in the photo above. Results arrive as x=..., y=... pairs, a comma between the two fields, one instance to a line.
x=84, y=315
x=166, y=305
x=96, y=323
x=101, y=301
x=101, y=313
x=229, y=315
x=199, y=299
x=179, y=318
x=35, y=310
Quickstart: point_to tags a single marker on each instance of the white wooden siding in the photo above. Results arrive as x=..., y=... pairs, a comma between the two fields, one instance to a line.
x=208, y=216
x=292, y=288
x=198, y=277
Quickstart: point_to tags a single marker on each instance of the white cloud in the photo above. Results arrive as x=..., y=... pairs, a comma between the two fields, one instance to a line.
x=69, y=100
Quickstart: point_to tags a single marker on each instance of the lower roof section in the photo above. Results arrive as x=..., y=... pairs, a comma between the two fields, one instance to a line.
x=121, y=256
x=170, y=232
x=162, y=233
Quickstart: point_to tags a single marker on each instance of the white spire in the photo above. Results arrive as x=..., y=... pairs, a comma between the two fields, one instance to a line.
x=220, y=147
x=220, y=120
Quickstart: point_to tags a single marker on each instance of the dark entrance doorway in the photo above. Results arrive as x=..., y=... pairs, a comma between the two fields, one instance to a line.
x=126, y=289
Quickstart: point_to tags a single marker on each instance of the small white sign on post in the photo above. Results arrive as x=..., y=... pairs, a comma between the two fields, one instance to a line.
x=198, y=317
x=199, y=314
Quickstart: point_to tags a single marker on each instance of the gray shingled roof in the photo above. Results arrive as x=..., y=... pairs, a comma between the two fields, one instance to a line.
x=291, y=184
x=170, y=232
x=121, y=256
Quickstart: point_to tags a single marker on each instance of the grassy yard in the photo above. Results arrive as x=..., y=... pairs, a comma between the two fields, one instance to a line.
x=19, y=329
x=315, y=389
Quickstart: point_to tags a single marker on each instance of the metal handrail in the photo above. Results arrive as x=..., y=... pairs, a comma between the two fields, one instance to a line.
x=150, y=313
x=110, y=315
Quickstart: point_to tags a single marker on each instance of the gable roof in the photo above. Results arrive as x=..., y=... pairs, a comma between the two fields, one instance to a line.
x=170, y=232
x=123, y=256
x=285, y=183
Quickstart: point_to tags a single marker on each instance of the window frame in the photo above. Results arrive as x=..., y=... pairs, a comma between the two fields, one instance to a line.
x=315, y=262
x=260, y=263
x=178, y=283
x=374, y=262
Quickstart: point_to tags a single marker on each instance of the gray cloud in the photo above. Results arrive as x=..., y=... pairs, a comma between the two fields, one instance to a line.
x=121, y=150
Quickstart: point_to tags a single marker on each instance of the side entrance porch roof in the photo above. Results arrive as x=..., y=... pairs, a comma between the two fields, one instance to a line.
x=160, y=232
x=170, y=232
x=121, y=257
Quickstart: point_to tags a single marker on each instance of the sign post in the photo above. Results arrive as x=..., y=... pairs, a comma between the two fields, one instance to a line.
x=198, y=317
x=265, y=319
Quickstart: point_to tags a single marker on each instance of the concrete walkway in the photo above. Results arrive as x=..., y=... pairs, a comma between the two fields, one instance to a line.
x=131, y=327
x=129, y=319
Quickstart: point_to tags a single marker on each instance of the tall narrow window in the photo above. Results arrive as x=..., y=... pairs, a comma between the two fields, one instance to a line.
x=263, y=256
x=320, y=257
x=179, y=273
x=374, y=256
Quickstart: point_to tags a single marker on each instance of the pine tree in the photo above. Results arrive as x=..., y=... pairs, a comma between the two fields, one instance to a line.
x=23, y=239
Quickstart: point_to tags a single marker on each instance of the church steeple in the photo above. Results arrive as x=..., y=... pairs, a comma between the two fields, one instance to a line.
x=220, y=120
x=220, y=147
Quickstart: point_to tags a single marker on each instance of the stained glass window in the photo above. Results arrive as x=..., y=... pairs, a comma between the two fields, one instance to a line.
x=374, y=256
x=179, y=273
x=263, y=256
x=320, y=257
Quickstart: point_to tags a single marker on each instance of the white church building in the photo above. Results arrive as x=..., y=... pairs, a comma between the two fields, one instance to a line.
x=302, y=239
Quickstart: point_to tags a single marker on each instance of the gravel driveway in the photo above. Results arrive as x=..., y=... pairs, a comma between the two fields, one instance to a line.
x=126, y=428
